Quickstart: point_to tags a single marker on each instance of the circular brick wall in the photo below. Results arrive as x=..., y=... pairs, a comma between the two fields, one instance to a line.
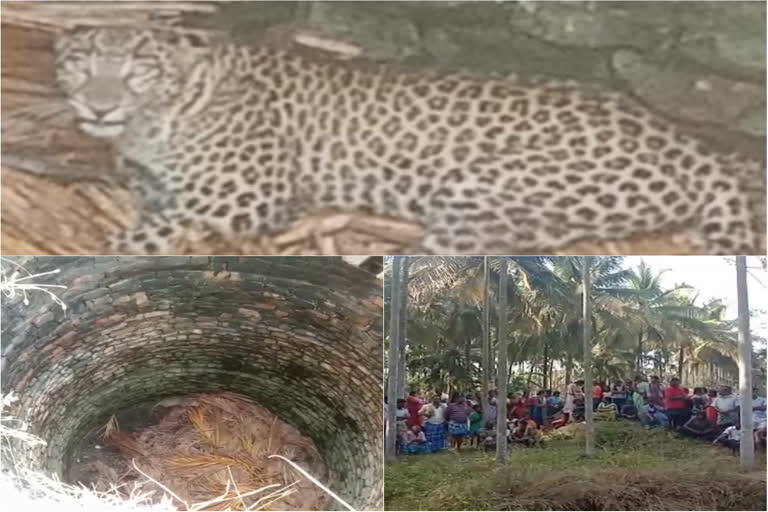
x=301, y=336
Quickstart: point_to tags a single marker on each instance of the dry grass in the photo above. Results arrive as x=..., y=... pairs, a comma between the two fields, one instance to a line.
x=59, y=193
x=633, y=469
x=214, y=449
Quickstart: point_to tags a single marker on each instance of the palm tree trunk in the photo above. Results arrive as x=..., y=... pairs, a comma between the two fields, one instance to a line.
x=680, y=360
x=468, y=358
x=589, y=432
x=394, y=356
x=568, y=368
x=486, y=346
x=639, y=362
x=746, y=446
x=404, y=276
x=501, y=403
x=545, y=366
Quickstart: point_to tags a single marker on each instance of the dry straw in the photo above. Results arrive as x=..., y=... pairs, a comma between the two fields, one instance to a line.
x=240, y=467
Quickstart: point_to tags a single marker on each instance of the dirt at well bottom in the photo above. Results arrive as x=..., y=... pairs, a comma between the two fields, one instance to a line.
x=205, y=448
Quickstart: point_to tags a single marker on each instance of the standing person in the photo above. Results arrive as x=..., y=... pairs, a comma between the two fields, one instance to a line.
x=711, y=411
x=540, y=408
x=640, y=395
x=572, y=392
x=655, y=393
x=619, y=394
x=518, y=409
x=493, y=410
x=434, y=426
x=554, y=404
x=597, y=394
x=529, y=401
x=676, y=403
x=727, y=406
x=475, y=425
x=457, y=416
x=414, y=404
x=699, y=400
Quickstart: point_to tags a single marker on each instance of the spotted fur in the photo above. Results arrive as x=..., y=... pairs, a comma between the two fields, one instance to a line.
x=245, y=139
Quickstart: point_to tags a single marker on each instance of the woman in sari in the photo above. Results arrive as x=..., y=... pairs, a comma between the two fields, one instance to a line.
x=572, y=392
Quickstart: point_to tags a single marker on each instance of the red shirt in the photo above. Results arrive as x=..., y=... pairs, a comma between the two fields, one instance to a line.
x=414, y=404
x=674, y=398
x=597, y=391
x=518, y=410
x=711, y=415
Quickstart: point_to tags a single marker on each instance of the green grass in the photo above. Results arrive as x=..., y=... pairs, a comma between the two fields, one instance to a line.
x=633, y=469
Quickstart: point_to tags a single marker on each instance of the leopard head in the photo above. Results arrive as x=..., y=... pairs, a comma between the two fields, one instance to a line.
x=108, y=74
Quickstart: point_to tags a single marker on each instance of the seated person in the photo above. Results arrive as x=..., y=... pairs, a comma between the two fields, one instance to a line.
x=730, y=437
x=652, y=416
x=629, y=411
x=698, y=427
x=525, y=432
x=415, y=441
x=606, y=410
x=760, y=437
x=489, y=436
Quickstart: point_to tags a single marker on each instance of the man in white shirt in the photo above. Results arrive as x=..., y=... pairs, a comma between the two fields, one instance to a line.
x=434, y=427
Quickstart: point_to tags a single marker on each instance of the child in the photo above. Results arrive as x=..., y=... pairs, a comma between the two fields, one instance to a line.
x=731, y=437
x=475, y=425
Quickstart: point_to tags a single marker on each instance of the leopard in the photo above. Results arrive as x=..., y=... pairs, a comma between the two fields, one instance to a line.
x=245, y=139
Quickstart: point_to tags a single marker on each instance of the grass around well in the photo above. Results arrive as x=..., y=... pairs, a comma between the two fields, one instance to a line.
x=633, y=469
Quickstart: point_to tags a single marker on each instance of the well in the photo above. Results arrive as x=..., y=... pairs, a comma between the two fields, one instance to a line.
x=300, y=336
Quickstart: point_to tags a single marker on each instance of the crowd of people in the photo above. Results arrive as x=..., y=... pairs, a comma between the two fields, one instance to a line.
x=711, y=415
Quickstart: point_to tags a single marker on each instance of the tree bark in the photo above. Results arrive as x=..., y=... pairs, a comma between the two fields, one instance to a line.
x=746, y=446
x=486, y=346
x=545, y=366
x=589, y=432
x=568, y=368
x=394, y=356
x=468, y=357
x=501, y=402
x=680, y=360
x=404, y=276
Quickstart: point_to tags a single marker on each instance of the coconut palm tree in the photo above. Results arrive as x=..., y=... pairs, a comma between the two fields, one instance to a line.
x=746, y=446
x=501, y=404
x=394, y=355
x=589, y=433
